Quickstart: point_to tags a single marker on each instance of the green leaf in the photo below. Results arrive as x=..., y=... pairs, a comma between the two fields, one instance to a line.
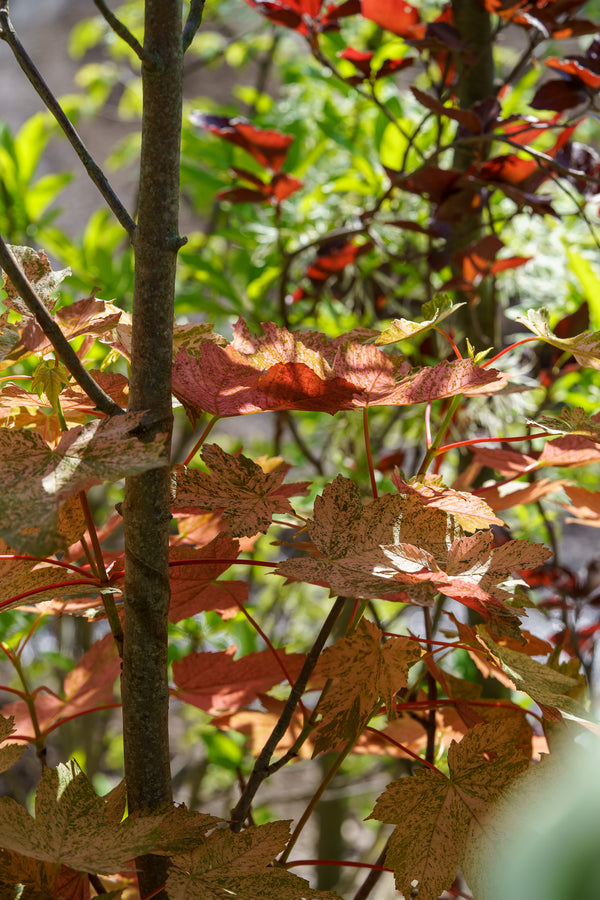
x=585, y=347
x=544, y=684
x=433, y=312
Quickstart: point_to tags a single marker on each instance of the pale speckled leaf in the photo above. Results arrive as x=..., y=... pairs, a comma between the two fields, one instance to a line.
x=71, y=826
x=9, y=338
x=540, y=681
x=472, y=570
x=247, y=495
x=35, y=480
x=11, y=753
x=366, y=673
x=216, y=681
x=435, y=814
x=192, y=335
x=470, y=512
x=38, y=270
x=446, y=379
x=585, y=347
x=572, y=420
x=238, y=865
x=88, y=316
x=433, y=312
x=349, y=538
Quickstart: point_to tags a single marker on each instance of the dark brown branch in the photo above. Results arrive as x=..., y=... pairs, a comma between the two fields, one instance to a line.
x=194, y=20
x=64, y=350
x=8, y=34
x=124, y=33
x=262, y=768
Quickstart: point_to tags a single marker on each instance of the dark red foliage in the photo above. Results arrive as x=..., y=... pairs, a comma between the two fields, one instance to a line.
x=269, y=148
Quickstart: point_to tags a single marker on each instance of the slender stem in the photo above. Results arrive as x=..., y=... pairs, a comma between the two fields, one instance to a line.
x=30, y=703
x=431, y=695
x=368, y=451
x=432, y=448
x=8, y=34
x=374, y=875
x=107, y=597
x=335, y=767
x=124, y=33
x=52, y=331
x=280, y=662
x=193, y=22
x=261, y=766
x=213, y=421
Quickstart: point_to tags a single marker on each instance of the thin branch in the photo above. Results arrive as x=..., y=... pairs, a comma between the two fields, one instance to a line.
x=261, y=768
x=8, y=34
x=194, y=20
x=124, y=33
x=35, y=306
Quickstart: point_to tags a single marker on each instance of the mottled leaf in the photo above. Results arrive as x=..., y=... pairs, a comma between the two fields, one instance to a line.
x=366, y=673
x=444, y=813
x=585, y=347
x=38, y=270
x=470, y=512
x=11, y=753
x=239, y=865
x=35, y=480
x=348, y=539
x=248, y=496
x=72, y=826
x=544, y=684
x=433, y=312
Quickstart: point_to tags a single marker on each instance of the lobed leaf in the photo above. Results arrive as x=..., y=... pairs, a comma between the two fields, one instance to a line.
x=36, y=480
x=444, y=813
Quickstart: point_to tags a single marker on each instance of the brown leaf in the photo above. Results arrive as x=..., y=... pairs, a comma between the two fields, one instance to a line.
x=35, y=480
x=470, y=512
x=446, y=812
x=240, y=865
x=366, y=673
x=247, y=496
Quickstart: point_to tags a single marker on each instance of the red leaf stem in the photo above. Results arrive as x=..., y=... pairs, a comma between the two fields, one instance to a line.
x=402, y=747
x=489, y=440
x=488, y=362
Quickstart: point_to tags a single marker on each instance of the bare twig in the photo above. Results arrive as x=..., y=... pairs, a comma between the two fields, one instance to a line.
x=262, y=769
x=124, y=33
x=193, y=22
x=35, y=306
x=8, y=34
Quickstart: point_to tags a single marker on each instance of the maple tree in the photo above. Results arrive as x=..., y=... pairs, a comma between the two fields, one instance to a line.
x=373, y=543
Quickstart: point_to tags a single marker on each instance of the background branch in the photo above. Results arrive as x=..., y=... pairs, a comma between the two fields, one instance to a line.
x=124, y=33
x=8, y=34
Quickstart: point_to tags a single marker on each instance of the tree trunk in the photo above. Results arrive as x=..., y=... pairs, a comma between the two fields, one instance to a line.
x=478, y=319
x=147, y=497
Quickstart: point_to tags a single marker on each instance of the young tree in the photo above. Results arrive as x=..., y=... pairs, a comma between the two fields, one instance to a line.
x=374, y=538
